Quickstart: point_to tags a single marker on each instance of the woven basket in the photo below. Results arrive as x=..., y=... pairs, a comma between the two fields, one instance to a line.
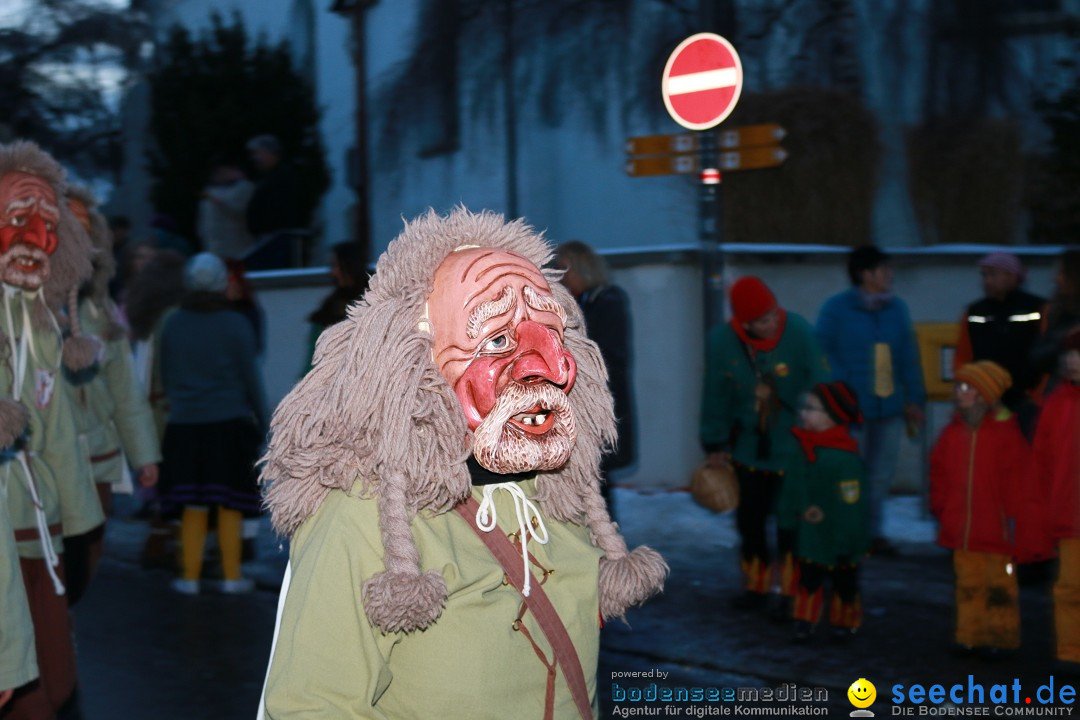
x=715, y=488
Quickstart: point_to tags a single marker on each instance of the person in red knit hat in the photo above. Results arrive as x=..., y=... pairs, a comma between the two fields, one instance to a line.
x=757, y=367
x=1057, y=460
x=980, y=470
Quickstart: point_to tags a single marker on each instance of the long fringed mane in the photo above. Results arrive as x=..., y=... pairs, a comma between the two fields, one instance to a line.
x=70, y=266
x=102, y=240
x=375, y=407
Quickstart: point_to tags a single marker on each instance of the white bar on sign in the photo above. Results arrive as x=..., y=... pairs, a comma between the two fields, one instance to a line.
x=696, y=82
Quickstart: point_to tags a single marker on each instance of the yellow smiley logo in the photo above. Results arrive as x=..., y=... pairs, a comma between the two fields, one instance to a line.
x=862, y=693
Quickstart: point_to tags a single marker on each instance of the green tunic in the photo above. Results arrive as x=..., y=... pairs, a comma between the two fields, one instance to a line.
x=836, y=483
x=62, y=476
x=18, y=661
x=728, y=400
x=330, y=662
x=112, y=412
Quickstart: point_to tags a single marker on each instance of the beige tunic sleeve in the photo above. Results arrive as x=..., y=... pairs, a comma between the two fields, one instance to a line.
x=18, y=662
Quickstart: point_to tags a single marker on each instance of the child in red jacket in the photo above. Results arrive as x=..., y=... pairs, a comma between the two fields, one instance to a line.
x=1057, y=458
x=978, y=473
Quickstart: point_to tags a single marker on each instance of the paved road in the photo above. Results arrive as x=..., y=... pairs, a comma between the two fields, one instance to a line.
x=146, y=652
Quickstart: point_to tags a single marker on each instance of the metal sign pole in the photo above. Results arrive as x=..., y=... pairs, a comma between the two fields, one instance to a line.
x=710, y=233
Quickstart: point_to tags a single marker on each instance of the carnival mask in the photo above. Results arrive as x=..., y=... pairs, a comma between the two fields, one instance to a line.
x=497, y=335
x=29, y=217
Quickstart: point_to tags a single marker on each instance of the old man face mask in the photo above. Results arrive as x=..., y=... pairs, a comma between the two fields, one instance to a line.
x=498, y=340
x=29, y=217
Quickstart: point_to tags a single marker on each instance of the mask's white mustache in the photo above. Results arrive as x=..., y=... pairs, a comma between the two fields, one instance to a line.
x=501, y=447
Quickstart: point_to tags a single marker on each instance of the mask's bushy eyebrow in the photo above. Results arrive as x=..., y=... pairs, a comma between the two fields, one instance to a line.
x=545, y=303
x=492, y=308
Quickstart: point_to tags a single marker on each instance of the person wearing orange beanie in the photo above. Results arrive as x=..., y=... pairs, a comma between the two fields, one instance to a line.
x=980, y=474
x=756, y=368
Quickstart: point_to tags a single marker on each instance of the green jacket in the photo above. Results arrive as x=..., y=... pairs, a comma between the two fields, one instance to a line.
x=329, y=662
x=18, y=661
x=112, y=412
x=727, y=405
x=62, y=476
x=835, y=483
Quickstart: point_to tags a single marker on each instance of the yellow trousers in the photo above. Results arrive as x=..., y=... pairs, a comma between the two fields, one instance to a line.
x=987, y=600
x=1067, y=600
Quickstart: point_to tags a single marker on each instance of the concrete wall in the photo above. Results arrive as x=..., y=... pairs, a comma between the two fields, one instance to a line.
x=665, y=292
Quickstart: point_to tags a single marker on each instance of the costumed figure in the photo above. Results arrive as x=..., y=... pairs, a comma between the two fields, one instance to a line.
x=44, y=257
x=112, y=414
x=459, y=405
x=1057, y=461
x=825, y=503
x=18, y=661
x=981, y=494
x=756, y=368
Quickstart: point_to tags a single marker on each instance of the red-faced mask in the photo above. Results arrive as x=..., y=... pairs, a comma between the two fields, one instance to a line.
x=28, y=212
x=494, y=322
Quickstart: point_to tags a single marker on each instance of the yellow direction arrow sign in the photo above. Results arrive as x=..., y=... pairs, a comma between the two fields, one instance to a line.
x=750, y=136
x=662, y=144
x=662, y=165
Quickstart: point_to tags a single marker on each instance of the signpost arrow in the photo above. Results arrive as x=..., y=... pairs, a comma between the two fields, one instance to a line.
x=751, y=136
x=662, y=144
x=662, y=165
x=752, y=158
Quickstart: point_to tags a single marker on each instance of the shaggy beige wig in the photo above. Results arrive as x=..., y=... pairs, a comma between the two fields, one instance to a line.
x=103, y=261
x=69, y=266
x=375, y=408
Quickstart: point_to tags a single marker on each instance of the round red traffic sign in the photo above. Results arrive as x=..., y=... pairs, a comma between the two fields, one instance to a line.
x=702, y=81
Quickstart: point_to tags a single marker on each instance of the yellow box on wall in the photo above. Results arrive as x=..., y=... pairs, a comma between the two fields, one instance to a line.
x=937, y=348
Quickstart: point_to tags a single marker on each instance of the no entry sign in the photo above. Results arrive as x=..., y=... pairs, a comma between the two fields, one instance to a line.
x=702, y=81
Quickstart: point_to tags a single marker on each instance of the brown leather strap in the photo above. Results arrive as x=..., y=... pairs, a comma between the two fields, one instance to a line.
x=28, y=534
x=105, y=456
x=539, y=605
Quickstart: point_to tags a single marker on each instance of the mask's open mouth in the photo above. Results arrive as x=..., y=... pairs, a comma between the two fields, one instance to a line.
x=27, y=264
x=536, y=421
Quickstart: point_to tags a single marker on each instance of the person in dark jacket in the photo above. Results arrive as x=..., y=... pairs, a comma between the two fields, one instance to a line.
x=756, y=368
x=1003, y=327
x=217, y=421
x=868, y=338
x=606, y=308
x=273, y=206
x=348, y=268
x=1062, y=314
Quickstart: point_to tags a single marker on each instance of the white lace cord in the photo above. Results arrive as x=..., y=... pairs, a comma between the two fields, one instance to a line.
x=525, y=510
x=52, y=560
x=19, y=353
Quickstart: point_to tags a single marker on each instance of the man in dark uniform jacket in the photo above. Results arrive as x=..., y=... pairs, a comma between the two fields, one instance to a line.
x=1002, y=327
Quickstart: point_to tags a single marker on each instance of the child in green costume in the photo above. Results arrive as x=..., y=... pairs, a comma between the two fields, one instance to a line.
x=824, y=504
